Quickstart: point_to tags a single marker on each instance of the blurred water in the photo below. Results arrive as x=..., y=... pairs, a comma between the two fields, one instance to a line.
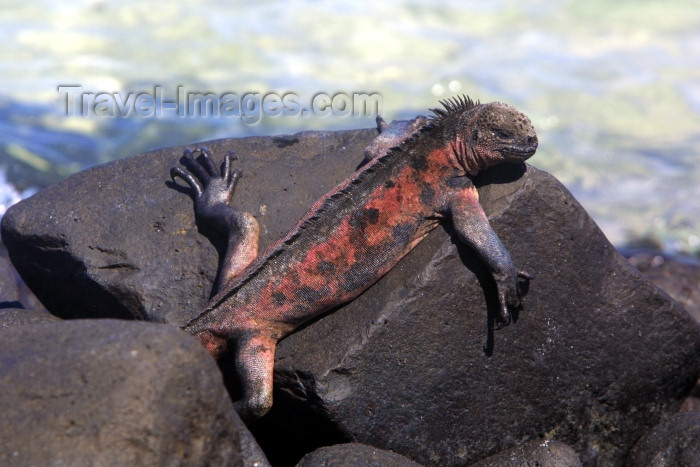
x=612, y=87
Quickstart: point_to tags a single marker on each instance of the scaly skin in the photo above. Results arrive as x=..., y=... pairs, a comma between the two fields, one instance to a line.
x=391, y=135
x=355, y=234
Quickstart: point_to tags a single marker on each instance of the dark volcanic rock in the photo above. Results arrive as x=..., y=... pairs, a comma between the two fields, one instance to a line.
x=13, y=299
x=13, y=292
x=678, y=278
x=120, y=240
x=692, y=403
x=354, y=455
x=251, y=452
x=414, y=366
x=675, y=442
x=596, y=355
x=535, y=453
x=9, y=292
x=105, y=392
x=10, y=317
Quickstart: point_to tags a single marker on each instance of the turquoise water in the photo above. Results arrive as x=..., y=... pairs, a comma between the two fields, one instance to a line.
x=613, y=88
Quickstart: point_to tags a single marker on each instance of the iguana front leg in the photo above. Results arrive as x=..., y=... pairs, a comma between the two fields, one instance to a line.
x=473, y=228
x=213, y=191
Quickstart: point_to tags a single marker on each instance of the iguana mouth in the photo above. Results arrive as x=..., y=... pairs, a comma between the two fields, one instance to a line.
x=520, y=151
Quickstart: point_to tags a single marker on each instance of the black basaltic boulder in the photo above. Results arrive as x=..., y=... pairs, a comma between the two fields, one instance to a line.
x=354, y=455
x=107, y=392
x=596, y=356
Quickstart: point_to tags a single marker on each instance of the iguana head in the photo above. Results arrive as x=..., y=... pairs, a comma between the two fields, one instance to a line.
x=482, y=135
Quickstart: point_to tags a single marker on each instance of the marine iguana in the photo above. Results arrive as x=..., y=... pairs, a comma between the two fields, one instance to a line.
x=413, y=177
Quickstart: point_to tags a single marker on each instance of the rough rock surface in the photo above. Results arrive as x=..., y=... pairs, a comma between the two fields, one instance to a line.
x=125, y=236
x=680, y=278
x=107, y=392
x=535, y=453
x=675, y=442
x=10, y=317
x=596, y=356
x=251, y=452
x=9, y=292
x=354, y=455
x=12, y=306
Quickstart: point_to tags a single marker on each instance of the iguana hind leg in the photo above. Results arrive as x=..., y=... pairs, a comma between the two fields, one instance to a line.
x=213, y=191
x=255, y=360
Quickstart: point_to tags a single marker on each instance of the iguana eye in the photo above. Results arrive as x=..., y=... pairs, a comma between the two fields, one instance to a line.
x=503, y=134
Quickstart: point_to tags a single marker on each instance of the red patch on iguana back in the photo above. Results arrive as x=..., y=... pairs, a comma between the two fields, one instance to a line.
x=361, y=247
